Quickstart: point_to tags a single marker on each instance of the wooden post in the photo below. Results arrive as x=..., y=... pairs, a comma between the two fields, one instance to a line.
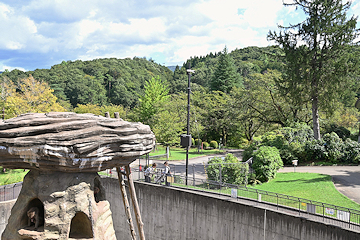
x=135, y=203
x=125, y=198
x=126, y=203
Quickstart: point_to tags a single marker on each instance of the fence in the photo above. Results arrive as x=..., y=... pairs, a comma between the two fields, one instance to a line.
x=323, y=212
x=10, y=192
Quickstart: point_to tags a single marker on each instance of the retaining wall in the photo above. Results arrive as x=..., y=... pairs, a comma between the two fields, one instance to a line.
x=169, y=213
x=5, y=210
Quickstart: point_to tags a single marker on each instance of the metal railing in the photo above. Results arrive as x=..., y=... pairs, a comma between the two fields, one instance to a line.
x=10, y=192
x=319, y=211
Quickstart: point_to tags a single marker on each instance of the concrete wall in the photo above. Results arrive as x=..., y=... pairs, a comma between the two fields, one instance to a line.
x=169, y=213
x=172, y=214
x=5, y=210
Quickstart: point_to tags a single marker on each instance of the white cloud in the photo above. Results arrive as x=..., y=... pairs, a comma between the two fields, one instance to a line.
x=86, y=29
x=4, y=67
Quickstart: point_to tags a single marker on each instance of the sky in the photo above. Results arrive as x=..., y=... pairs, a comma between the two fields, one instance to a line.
x=42, y=33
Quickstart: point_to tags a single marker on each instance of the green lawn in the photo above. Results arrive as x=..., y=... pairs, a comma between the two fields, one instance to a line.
x=180, y=153
x=311, y=186
x=12, y=176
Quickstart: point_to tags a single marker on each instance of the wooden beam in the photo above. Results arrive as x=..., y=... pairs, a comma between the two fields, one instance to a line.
x=126, y=203
x=140, y=224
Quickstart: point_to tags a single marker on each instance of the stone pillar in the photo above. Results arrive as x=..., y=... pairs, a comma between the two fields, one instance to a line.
x=70, y=206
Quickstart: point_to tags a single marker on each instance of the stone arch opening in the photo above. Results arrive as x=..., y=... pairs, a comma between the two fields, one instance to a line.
x=37, y=207
x=99, y=191
x=81, y=226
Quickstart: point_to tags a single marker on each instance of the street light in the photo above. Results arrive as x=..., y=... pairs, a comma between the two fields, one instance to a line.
x=188, y=72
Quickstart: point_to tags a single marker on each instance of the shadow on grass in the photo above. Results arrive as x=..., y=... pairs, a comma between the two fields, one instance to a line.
x=304, y=180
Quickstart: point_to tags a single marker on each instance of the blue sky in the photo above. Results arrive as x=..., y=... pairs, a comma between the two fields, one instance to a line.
x=41, y=33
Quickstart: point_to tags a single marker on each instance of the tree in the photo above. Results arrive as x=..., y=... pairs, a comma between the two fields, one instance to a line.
x=30, y=96
x=156, y=93
x=88, y=108
x=167, y=128
x=217, y=114
x=317, y=53
x=225, y=75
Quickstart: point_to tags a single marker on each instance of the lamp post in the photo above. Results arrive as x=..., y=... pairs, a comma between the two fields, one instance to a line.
x=189, y=72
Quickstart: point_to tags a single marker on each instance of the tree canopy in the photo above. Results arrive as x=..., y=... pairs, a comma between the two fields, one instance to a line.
x=318, y=54
x=28, y=95
x=225, y=76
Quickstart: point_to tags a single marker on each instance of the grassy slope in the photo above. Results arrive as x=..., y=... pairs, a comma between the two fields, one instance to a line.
x=180, y=153
x=12, y=176
x=312, y=186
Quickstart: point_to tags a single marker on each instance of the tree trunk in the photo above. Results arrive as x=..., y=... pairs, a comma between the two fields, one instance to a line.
x=315, y=114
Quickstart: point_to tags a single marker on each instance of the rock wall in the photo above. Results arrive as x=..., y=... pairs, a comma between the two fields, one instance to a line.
x=71, y=142
x=72, y=205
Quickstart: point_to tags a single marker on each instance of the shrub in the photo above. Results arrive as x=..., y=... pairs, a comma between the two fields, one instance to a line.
x=314, y=150
x=214, y=144
x=193, y=143
x=266, y=163
x=248, y=152
x=197, y=142
x=230, y=173
x=333, y=147
x=213, y=169
x=206, y=145
x=351, y=152
x=243, y=143
x=342, y=132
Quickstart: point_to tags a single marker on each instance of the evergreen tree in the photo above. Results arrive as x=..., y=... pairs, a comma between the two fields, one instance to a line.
x=317, y=54
x=225, y=75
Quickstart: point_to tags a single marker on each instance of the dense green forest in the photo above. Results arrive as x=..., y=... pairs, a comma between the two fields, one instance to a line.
x=250, y=112
x=297, y=100
x=251, y=105
x=99, y=82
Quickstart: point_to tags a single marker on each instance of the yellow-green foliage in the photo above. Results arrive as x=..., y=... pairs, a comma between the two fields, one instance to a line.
x=29, y=95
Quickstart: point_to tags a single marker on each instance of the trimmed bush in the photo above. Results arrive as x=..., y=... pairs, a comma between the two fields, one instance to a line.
x=193, y=142
x=214, y=144
x=197, y=142
x=266, y=163
x=206, y=145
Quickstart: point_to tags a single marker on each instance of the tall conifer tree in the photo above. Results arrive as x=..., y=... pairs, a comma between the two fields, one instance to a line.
x=317, y=54
x=225, y=76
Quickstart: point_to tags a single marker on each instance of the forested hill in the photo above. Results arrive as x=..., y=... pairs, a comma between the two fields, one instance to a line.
x=121, y=81
x=247, y=61
x=100, y=81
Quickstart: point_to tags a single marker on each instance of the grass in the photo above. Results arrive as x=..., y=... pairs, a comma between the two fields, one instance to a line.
x=12, y=176
x=180, y=153
x=311, y=186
